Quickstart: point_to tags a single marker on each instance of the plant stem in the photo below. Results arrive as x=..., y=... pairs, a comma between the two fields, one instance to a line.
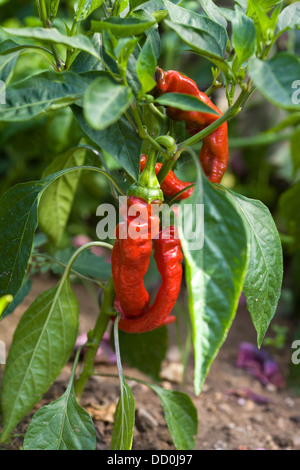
x=142, y=132
x=230, y=113
x=76, y=273
x=260, y=139
x=96, y=338
x=46, y=23
x=168, y=165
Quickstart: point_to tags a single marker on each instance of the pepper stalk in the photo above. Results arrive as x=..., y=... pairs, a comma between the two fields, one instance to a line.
x=147, y=187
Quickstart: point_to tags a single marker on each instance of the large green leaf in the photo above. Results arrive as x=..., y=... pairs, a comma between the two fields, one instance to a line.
x=275, y=77
x=123, y=420
x=123, y=27
x=289, y=18
x=181, y=417
x=119, y=140
x=52, y=35
x=61, y=425
x=211, y=35
x=88, y=7
x=40, y=93
x=85, y=62
x=201, y=42
x=18, y=215
x=7, y=65
x=42, y=344
x=105, y=102
x=213, y=12
x=262, y=285
x=184, y=102
x=9, y=46
x=243, y=35
x=214, y=271
x=56, y=202
x=146, y=66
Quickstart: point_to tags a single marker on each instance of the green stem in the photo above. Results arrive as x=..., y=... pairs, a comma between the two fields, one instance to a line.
x=46, y=23
x=96, y=338
x=230, y=113
x=148, y=176
x=260, y=139
x=168, y=165
x=143, y=134
x=156, y=112
x=73, y=271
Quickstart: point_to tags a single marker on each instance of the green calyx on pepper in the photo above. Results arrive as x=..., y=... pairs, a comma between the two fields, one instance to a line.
x=147, y=187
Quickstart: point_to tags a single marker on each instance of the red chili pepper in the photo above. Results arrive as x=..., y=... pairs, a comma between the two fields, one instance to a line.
x=214, y=152
x=168, y=256
x=171, y=184
x=131, y=257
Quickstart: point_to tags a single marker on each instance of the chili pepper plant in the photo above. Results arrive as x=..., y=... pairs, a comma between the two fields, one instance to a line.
x=103, y=62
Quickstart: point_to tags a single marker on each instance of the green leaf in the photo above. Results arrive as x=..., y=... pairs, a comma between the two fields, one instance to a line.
x=184, y=102
x=18, y=215
x=215, y=267
x=41, y=93
x=288, y=206
x=122, y=27
x=88, y=7
x=5, y=300
x=105, y=102
x=85, y=62
x=7, y=66
x=201, y=42
x=265, y=23
x=149, y=364
x=262, y=285
x=52, y=35
x=213, y=12
x=136, y=3
x=61, y=425
x=87, y=263
x=243, y=35
x=19, y=297
x=289, y=18
x=275, y=78
x=38, y=353
x=210, y=36
x=9, y=46
x=146, y=66
x=265, y=5
x=56, y=202
x=181, y=417
x=119, y=140
x=123, y=420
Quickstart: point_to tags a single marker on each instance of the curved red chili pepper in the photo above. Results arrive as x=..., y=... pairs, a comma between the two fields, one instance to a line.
x=171, y=184
x=168, y=256
x=214, y=152
x=131, y=257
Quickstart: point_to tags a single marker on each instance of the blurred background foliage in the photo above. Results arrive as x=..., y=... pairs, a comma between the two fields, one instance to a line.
x=263, y=172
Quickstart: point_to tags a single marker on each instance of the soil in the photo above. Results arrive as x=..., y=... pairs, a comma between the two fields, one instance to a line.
x=229, y=418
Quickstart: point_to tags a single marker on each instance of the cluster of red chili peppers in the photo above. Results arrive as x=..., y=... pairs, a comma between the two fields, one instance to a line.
x=131, y=255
